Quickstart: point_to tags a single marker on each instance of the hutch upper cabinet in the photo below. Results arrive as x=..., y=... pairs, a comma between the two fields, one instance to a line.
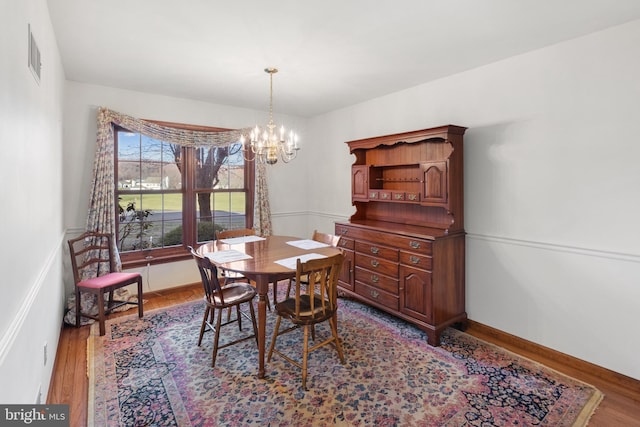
x=405, y=244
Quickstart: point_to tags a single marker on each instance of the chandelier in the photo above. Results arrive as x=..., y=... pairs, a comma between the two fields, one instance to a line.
x=268, y=144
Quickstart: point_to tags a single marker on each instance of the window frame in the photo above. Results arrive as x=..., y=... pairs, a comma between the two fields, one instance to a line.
x=138, y=258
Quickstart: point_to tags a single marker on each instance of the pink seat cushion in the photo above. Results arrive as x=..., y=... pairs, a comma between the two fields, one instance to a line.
x=109, y=280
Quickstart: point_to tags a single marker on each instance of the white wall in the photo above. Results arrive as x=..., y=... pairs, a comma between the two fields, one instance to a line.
x=551, y=188
x=31, y=192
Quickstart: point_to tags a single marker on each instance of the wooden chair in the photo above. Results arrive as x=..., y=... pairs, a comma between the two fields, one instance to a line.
x=232, y=275
x=236, y=232
x=94, y=272
x=316, y=304
x=217, y=297
x=329, y=239
x=228, y=234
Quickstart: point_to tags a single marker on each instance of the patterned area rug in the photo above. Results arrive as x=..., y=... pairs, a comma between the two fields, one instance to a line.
x=150, y=372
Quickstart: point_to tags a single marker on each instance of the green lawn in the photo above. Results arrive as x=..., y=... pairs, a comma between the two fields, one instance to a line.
x=173, y=202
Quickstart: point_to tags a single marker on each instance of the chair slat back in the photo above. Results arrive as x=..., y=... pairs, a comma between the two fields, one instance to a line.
x=92, y=255
x=329, y=239
x=237, y=232
x=209, y=275
x=322, y=291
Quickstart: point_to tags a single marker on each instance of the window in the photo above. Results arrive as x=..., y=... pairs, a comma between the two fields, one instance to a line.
x=169, y=196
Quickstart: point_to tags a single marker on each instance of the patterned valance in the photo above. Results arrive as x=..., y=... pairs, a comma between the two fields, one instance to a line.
x=185, y=137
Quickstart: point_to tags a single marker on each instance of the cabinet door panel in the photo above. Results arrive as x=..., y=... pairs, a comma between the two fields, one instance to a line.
x=415, y=293
x=346, y=274
x=434, y=182
x=359, y=182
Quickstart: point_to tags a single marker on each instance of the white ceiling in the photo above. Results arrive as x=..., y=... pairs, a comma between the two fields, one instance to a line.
x=330, y=53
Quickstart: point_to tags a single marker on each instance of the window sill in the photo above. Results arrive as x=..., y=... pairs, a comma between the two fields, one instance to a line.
x=135, y=261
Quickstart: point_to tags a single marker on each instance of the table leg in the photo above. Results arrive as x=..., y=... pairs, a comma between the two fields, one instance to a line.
x=262, y=285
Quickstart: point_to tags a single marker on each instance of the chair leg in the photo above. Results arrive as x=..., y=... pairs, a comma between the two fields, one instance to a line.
x=253, y=320
x=336, y=339
x=289, y=288
x=204, y=325
x=273, y=340
x=215, y=340
x=239, y=317
x=140, y=298
x=305, y=356
x=78, y=305
x=101, y=315
x=110, y=303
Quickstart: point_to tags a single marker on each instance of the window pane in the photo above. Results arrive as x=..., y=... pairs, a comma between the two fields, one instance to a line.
x=206, y=228
x=235, y=166
x=220, y=167
x=149, y=220
x=166, y=218
x=219, y=211
x=171, y=166
x=133, y=223
x=128, y=160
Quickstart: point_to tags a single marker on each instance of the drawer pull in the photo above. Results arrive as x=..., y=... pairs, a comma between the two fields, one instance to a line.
x=375, y=294
x=374, y=250
x=414, y=259
x=374, y=278
x=374, y=263
x=345, y=231
x=412, y=197
x=414, y=244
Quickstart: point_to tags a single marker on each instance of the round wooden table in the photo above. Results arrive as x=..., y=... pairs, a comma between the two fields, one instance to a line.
x=262, y=269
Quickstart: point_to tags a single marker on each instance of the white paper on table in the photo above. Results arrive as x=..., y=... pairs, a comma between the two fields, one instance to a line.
x=242, y=239
x=292, y=262
x=307, y=244
x=228, y=255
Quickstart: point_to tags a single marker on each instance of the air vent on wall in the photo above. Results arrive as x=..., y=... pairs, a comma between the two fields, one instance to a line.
x=34, y=57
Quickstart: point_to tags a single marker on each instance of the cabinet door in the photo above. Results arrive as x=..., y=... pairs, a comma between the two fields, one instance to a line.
x=360, y=182
x=434, y=182
x=415, y=293
x=346, y=274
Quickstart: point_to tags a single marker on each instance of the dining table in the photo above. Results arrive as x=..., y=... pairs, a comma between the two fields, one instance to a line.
x=264, y=260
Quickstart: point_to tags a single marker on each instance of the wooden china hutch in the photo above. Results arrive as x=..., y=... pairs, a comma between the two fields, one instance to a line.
x=405, y=244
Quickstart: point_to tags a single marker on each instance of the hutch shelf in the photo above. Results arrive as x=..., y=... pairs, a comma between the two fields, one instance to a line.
x=405, y=244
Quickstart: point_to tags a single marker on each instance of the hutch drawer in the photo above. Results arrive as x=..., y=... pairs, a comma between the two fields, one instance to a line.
x=377, y=295
x=345, y=243
x=415, y=260
x=377, y=250
x=377, y=265
x=377, y=280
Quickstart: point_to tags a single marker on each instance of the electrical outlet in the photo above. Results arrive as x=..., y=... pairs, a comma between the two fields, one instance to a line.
x=45, y=353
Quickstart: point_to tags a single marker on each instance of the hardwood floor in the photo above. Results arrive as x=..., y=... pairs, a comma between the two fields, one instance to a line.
x=620, y=406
